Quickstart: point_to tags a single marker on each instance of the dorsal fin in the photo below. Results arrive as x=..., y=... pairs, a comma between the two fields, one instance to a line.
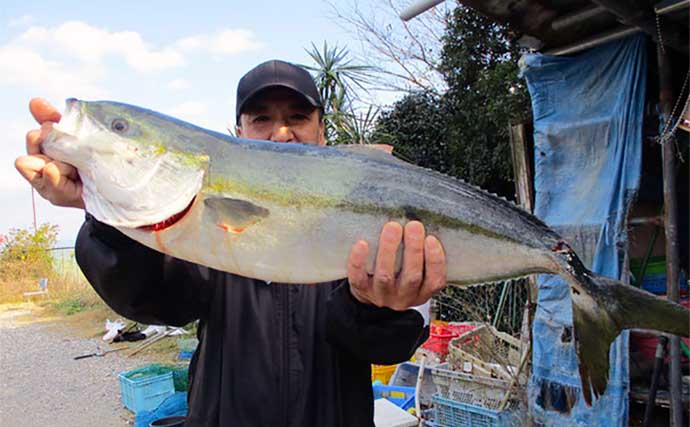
x=375, y=151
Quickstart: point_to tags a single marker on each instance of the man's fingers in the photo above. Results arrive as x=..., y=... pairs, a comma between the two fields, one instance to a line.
x=435, y=269
x=33, y=142
x=30, y=167
x=35, y=137
x=413, y=259
x=384, y=271
x=435, y=263
x=43, y=111
x=357, y=266
x=56, y=173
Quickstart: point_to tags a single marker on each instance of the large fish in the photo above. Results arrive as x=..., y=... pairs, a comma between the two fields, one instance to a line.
x=290, y=213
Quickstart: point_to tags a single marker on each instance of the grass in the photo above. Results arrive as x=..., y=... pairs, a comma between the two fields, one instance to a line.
x=69, y=306
x=72, y=302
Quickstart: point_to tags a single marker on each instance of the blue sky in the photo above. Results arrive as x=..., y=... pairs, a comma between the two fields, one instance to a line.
x=178, y=57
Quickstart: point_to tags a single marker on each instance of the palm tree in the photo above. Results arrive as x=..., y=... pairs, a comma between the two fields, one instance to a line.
x=338, y=80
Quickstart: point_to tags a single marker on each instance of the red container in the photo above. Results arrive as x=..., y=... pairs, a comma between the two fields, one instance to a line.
x=440, y=336
x=645, y=343
x=460, y=328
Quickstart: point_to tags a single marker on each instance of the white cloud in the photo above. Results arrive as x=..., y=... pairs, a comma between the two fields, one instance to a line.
x=224, y=42
x=189, y=110
x=22, y=21
x=21, y=66
x=90, y=44
x=83, y=45
x=179, y=84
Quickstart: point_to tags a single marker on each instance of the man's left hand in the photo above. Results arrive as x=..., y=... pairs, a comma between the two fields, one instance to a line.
x=423, y=268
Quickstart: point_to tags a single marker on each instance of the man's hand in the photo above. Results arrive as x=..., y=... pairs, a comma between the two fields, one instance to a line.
x=55, y=181
x=423, y=268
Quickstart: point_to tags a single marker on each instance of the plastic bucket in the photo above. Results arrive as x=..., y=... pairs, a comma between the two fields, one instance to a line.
x=176, y=421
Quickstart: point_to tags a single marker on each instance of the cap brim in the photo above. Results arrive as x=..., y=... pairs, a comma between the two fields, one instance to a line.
x=252, y=94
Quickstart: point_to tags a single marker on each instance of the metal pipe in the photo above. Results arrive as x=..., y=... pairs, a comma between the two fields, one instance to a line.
x=576, y=18
x=33, y=207
x=665, y=7
x=501, y=303
x=671, y=228
x=656, y=373
x=593, y=41
x=418, y=8
x=673, y=35
x=653, y=220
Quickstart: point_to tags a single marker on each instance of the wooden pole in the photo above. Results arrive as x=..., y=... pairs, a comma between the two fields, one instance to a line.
x=671, y=229
x=522, y=150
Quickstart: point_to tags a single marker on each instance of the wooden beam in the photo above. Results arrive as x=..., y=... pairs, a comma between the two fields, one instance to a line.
x=672, y=34
x=668, y=159
x=522, y=152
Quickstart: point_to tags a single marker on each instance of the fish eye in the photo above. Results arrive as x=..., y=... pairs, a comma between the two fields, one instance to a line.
x=119, y=125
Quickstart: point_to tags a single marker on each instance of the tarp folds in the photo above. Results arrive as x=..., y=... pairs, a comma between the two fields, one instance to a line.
x=588, y=112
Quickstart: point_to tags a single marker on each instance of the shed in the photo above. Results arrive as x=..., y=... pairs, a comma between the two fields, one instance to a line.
x=657, y=221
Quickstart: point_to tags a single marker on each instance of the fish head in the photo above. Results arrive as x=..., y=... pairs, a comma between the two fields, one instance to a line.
x=135, y=165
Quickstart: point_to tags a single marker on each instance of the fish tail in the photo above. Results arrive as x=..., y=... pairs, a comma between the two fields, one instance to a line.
x=602, y=308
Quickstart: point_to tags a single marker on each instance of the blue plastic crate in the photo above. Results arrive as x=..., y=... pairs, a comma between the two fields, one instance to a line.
x=401, y=396
x=656, y=283
x=185, y=354
x=406, y=375
x=145, y=388
x=449, y=413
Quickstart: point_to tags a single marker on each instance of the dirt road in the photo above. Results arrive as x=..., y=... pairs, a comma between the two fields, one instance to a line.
x=41, y=384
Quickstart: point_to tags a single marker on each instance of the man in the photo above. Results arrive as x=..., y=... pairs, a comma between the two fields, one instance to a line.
x=269, y=354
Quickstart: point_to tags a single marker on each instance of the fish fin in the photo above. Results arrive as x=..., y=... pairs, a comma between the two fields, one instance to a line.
x=602, y=308
x=234, y=213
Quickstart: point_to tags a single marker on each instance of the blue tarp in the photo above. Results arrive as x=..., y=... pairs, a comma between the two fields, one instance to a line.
x=175, y=404
x=588, y=112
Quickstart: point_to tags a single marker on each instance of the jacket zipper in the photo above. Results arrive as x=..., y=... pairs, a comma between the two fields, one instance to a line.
x=285, y=376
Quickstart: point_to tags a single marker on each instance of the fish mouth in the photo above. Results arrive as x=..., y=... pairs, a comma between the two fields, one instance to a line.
x=62, y=139
x=168, y=222
x=73, y=117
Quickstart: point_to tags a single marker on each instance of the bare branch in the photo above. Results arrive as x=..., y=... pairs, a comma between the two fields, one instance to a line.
x=408, y=54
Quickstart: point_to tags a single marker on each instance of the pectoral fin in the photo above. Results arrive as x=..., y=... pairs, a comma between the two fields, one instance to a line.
x=233, y=215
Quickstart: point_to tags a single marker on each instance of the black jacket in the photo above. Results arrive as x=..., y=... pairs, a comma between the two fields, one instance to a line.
x=269, y=354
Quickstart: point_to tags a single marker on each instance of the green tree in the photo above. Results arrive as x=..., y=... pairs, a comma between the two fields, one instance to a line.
x=25, y=254
x=464, y=131
x=485, y=95
x=416, y=127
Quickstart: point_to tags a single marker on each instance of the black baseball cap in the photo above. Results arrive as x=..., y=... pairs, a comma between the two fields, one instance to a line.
x=276, y=73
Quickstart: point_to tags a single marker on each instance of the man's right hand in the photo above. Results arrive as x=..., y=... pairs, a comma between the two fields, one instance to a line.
x=55, y=181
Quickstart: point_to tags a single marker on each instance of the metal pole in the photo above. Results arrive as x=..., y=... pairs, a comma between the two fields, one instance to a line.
x=665, y=7
x=33, y=206
x=658, y=364
x=671, y=229
x=673, y=35
x=501, y=303
x=418, y=8
x=577, y=18
x=645, y=260
x=594, y=41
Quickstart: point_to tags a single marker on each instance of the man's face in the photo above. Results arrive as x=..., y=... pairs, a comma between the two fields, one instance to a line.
x=281, y=115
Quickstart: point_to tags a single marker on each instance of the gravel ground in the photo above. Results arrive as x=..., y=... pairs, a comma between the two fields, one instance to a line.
x=41, y=384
